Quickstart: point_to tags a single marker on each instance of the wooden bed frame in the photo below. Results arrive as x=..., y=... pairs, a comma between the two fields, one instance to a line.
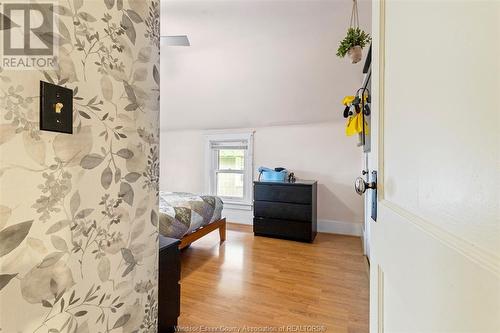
x=220, y=224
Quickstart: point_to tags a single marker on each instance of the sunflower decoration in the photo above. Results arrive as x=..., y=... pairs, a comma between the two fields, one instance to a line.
x=354, y=111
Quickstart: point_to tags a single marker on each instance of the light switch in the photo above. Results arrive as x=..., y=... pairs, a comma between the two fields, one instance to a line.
x=56, y=108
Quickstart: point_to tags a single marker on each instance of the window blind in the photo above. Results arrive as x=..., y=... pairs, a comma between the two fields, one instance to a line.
x=229, y=144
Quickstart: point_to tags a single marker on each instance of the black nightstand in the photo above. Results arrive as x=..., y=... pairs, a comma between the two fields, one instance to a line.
x=285, y=210
x=169, y=288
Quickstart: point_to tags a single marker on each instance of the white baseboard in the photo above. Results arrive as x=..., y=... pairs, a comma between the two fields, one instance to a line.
x=238, y=216
x=340, y=227
x=327, y=226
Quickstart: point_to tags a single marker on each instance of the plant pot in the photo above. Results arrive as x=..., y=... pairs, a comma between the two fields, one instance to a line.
x=355, y=53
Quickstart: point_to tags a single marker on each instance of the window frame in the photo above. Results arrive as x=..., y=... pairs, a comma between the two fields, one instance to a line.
x=212, y=164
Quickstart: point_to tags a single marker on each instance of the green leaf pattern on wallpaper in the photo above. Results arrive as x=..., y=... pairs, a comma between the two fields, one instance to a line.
x=78, y=213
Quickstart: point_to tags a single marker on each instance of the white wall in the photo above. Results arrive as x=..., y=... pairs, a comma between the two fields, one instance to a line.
x=256, y=63
x=315, y=151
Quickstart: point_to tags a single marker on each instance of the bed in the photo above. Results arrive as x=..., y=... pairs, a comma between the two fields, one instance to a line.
x=189, y=217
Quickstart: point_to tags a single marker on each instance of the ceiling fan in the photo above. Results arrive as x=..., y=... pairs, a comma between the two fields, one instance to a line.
x=181, y=40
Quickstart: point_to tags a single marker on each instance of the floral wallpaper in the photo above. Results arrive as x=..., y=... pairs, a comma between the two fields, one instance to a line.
x=79, y=213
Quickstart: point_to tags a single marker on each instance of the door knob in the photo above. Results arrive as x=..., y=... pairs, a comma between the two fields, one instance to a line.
x=360, y=185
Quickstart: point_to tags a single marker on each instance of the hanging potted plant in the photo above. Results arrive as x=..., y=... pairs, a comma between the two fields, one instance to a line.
x=353, y=44
x=355, y=40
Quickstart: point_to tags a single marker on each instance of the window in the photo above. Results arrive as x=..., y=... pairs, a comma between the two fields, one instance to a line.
x=229, y=167
x=230, y=173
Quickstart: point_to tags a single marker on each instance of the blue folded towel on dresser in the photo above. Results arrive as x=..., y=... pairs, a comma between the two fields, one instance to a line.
x=273, y=175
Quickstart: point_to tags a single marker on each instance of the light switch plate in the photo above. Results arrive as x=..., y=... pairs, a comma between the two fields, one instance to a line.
x=56, y=108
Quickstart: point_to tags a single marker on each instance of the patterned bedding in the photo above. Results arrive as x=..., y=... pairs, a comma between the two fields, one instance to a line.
x=183, y=213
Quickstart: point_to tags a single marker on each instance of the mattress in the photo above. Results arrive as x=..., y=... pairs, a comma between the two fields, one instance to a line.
x=183, y=213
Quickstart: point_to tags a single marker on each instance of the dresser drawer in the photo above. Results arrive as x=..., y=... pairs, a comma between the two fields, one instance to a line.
x=169, y=310
x=283, y=210
x=170, y=259
x=282, y=229
x=168, y=284
x=283, y=193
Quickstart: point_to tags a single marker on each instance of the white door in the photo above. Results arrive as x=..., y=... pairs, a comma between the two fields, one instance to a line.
x=435, y=249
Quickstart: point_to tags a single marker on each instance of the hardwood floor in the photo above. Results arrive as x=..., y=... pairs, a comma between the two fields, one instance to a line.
x=264, y=282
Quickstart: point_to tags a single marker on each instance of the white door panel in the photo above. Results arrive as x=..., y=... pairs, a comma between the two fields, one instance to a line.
x=435, y=250
x=430, y=286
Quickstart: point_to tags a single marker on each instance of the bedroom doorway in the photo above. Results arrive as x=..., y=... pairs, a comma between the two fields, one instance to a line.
x=257, y=89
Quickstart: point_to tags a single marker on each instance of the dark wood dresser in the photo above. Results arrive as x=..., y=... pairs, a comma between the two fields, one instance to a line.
x=169, y=289
x=285, y=210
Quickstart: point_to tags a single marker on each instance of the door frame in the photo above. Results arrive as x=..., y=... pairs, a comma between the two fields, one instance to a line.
x=376, y=315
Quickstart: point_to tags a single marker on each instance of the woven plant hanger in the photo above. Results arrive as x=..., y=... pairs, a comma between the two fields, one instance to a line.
x=354, y=23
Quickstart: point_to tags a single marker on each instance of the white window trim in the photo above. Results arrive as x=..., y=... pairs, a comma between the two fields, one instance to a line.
x=209, y=170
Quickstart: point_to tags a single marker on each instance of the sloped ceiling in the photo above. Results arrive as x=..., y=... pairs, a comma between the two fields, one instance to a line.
x=256, y=63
